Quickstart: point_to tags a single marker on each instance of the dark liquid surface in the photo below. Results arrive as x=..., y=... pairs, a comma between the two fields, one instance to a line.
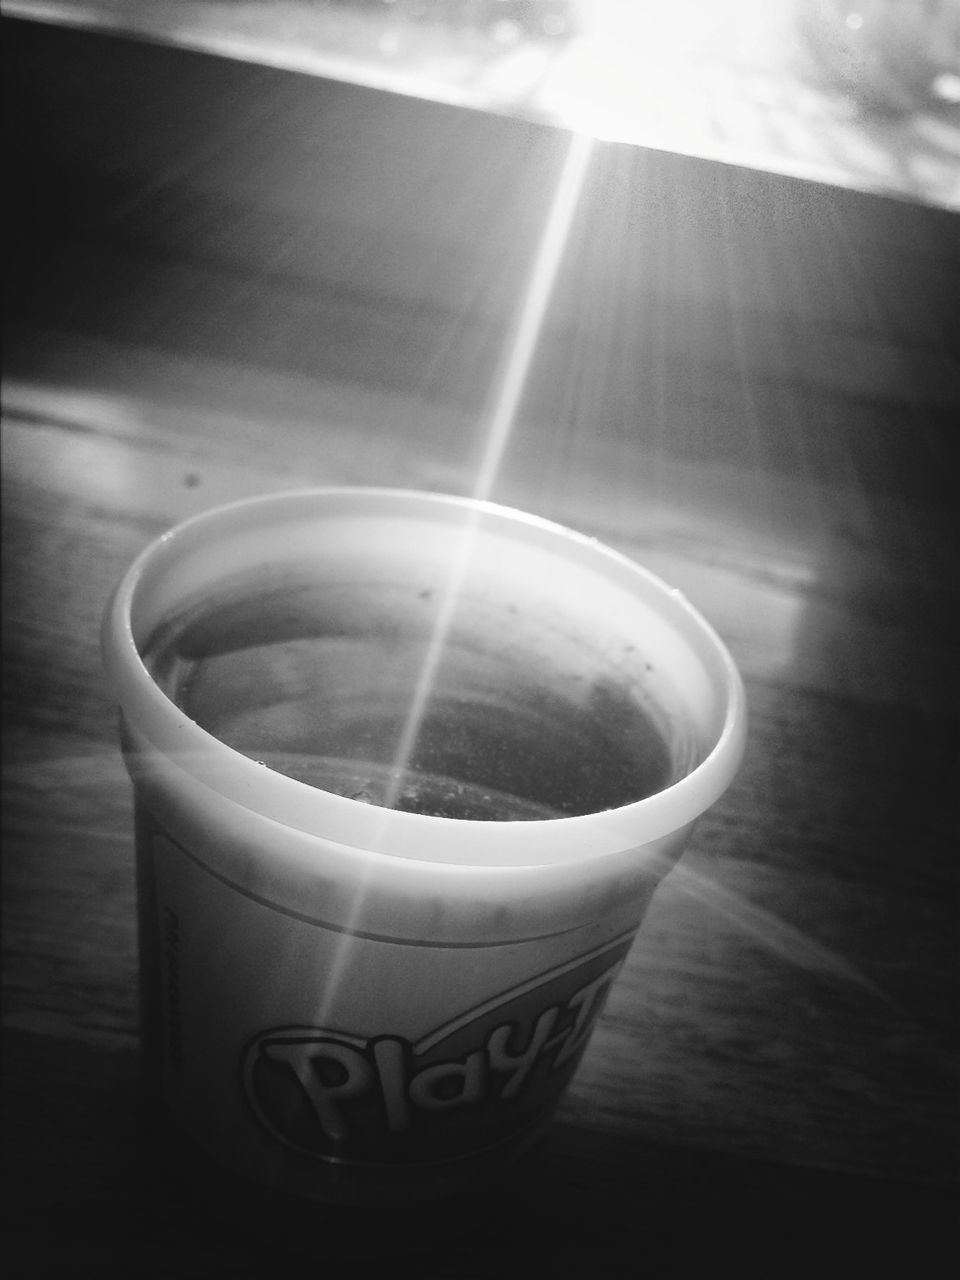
x=320, y=694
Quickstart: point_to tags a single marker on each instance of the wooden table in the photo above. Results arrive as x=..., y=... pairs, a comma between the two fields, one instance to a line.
x=224, y=279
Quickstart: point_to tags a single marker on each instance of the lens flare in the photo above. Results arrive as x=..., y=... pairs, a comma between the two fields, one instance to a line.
x=508, y=389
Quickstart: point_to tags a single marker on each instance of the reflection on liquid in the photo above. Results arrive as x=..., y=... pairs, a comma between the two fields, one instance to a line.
x=859, y=93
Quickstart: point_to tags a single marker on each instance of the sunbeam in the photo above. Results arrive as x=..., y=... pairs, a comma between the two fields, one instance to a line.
x=496, y=431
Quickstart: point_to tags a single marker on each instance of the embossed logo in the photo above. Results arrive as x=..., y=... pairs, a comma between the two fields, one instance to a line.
x=477, y=1078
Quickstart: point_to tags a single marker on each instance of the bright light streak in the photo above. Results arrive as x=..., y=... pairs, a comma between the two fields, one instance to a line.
x=522, y=343
x=508, y=389
x=518, y=355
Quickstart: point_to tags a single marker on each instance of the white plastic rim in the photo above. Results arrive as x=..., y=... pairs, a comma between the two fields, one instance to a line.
x=314, y=524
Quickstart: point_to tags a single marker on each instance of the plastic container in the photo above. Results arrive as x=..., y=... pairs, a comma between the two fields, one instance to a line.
x=350, y=1002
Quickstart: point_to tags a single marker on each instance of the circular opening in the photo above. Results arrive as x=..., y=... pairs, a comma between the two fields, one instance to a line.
x=425, y=676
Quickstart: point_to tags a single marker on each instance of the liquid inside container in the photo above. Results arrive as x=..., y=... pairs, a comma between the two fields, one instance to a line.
x=387, y=693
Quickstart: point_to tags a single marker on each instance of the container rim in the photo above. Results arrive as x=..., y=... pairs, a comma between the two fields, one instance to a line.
x=374, y=830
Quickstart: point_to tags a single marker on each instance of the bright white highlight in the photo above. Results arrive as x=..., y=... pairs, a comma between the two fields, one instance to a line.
x=506, y=400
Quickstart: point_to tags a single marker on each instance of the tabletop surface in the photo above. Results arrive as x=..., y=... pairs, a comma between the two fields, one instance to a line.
x=226, y=280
